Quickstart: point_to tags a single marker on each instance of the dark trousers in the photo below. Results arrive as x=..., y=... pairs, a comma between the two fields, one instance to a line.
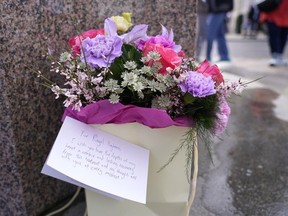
x=216, y=31
x=277, y=38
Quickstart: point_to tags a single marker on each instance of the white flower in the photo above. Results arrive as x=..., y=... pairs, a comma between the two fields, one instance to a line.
x=65, y=57
x=77, y=105
x=96, y=80
x=129, y=79
x=101, y=91
x=146, y=70
x=130, y=65
x=162, y=87
x=153, y=85
x=138, y=86
x=114, y=98
x=180, y=78
x=169, y=70
x=156, y=86
x=57, y=90
x=136, y=71
x=161, y=102
x=140, y=94
x=227, y=88
x=88, y=94
x=153, y=55
x=112, y=85
x=71, y=100
x=157, y=65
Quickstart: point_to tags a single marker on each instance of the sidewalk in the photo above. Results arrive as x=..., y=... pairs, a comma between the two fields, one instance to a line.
x=250, y=172
x=250, y=60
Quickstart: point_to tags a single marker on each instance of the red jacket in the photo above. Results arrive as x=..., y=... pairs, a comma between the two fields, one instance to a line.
x=278, y=16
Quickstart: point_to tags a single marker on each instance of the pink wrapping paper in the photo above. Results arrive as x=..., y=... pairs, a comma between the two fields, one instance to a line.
x=104, y=112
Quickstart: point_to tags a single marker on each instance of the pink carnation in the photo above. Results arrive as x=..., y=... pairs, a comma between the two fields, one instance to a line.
x=212, y=71
x=168, y=57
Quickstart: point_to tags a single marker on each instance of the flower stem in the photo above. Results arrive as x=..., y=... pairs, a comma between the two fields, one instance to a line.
x=193, y=175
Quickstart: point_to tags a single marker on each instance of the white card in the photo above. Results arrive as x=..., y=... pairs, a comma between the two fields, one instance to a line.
x=88, y=157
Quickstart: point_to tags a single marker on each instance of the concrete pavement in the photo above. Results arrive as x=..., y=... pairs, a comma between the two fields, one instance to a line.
x=250, y=172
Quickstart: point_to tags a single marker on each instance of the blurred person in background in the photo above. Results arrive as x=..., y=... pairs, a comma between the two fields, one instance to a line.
x=216, y=27
x=277, y=26
x=202, y=12
x=253, y=21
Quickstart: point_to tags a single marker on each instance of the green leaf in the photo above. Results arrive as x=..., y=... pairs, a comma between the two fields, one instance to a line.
x=188, y=98
x=130, y=53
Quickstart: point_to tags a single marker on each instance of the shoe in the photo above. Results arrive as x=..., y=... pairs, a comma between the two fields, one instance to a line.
x=284, y=63
x=223, y=60
x=274, y=62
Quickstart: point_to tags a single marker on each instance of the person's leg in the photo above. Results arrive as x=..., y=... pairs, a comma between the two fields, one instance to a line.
x=274, y=43
x=213, y=24
x=221, y=39
x=273, y=39
x=283, y=39
x=202, y=32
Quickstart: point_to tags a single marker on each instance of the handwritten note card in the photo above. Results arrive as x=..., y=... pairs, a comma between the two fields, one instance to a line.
x=92, y=158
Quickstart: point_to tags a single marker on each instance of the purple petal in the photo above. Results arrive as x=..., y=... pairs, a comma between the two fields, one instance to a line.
x=137, y=33
x=110, y=27
x=169, y=35
x=164, y=30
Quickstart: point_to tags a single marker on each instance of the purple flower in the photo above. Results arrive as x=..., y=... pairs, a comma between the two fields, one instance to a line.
x=101, y=51
x=198, y=85
x=166, y=39
x=110, y=27
x=138, y=33
x=222, y=117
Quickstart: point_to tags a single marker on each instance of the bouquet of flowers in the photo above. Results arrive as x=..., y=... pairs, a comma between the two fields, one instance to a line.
x=126, y=75
x=120, y=74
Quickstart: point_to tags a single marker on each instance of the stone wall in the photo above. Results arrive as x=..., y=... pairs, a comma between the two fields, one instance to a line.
x=29, y=114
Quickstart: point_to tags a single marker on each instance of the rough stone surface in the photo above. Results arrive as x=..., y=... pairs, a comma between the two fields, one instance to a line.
x=29, y=115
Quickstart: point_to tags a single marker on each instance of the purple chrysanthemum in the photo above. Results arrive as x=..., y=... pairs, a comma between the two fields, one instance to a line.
x=101, y=51
x=198, y=85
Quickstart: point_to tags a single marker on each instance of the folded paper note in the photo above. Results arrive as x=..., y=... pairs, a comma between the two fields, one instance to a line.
x=96, y=160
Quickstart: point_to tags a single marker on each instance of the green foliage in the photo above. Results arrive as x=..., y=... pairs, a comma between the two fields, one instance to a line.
x=130, y=53
x=203, y=111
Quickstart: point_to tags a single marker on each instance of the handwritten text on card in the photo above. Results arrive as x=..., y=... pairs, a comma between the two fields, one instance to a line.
x=100, y=160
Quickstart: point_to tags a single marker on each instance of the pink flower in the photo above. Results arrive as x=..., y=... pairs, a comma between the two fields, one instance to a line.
x=182, y=54
x=212, y=71
x=222, y=117
x=76, y=41
x=168, y=57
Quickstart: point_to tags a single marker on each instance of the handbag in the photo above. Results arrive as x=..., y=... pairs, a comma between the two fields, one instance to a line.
x=268, y=5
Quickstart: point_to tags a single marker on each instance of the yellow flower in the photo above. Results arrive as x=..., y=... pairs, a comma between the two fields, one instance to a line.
x=123, y=22
x=127, y=16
